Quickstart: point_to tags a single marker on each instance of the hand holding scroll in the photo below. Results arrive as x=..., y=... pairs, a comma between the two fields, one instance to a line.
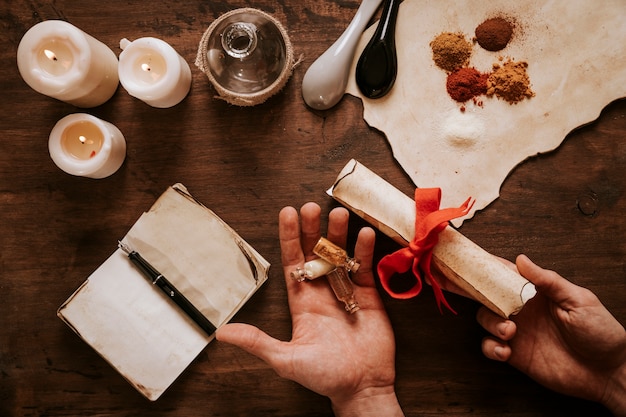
x=348, y=358
x=564, y=338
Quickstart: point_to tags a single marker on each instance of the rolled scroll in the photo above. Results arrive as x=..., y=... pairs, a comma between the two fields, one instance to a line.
x=477, y=273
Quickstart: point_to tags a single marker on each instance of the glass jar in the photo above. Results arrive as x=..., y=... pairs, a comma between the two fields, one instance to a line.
x=247, y=53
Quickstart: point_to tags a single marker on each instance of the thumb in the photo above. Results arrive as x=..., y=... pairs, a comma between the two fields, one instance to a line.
x=549, y=283
x=252, y=340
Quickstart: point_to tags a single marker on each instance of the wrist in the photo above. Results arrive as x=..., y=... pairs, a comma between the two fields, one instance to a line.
x=615, y=396
x=373, y=402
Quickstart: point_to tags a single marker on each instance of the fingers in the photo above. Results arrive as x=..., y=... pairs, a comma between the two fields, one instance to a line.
x=364, y=251
x=289, y=236
x=338, y=226
x=310, y=224
x=299, y=233
x=252, y=340
x=496, y=350
x=496, y=347
x=551, y=284
x=499, y=327
x=507, y=263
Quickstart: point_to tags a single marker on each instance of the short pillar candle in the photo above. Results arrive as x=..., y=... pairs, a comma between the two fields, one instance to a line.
x=83, y=145
x=152, y=71
x=61, y=61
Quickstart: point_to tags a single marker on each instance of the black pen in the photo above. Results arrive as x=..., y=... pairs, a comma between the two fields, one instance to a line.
x=168, y=289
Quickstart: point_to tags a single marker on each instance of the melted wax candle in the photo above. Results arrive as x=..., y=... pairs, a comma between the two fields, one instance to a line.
x=82, y=140
x=152, y=71
x=83, y=145
x=59, y=60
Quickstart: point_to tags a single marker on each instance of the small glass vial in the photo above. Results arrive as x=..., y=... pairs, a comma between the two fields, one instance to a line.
x=332, y=253
x=342, y=287
x=312, y=269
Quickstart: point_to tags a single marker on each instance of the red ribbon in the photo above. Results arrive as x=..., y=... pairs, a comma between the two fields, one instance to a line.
x=429, y=222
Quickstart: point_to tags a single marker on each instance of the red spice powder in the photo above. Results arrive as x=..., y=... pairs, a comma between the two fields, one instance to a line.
x=466, y=83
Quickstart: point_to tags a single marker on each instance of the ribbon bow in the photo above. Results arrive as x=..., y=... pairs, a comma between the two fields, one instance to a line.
x=429, y=222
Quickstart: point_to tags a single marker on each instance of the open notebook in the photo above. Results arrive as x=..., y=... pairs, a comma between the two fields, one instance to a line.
x=132, y=324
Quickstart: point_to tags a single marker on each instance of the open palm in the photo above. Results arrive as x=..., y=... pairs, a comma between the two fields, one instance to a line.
x=344, y=356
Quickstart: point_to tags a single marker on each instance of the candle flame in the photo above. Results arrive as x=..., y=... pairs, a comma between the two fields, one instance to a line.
x=50, y=55
x=145, y=67
x=82, y=139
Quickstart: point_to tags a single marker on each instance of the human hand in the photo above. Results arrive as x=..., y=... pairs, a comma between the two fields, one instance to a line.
x=564, y=338
x=349, y=358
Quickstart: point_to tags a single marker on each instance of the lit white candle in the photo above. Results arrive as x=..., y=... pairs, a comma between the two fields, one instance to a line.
x=59, y=60
x=83, y=145
x=152, y=71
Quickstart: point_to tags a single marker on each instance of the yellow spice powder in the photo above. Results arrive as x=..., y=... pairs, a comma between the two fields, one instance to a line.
x=451, y=51
x=510, y=82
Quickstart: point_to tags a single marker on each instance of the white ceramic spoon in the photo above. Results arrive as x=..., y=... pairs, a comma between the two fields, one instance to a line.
x=324, y=83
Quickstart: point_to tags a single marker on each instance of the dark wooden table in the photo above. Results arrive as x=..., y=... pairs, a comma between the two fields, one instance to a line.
x=564, y=209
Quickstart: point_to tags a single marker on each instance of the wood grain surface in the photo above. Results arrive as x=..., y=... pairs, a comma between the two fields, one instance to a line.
x=564, y=209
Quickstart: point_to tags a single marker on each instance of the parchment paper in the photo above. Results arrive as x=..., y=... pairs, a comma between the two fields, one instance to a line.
x=576, y=55
x=476, y=273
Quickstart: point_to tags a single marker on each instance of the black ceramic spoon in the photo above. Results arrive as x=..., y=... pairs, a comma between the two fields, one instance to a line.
x=377, y=67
